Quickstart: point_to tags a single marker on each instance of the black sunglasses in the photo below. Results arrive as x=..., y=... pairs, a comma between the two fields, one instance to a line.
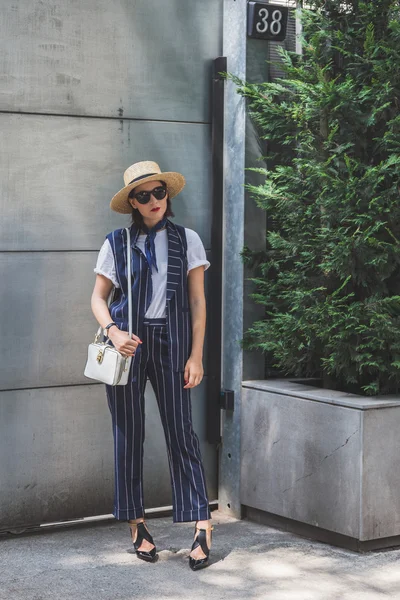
x=158, y=192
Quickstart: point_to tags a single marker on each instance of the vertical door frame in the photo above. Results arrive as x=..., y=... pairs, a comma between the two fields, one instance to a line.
x=234, y=48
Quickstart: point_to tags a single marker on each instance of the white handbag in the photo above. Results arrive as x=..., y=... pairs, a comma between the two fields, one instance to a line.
x=104, y=362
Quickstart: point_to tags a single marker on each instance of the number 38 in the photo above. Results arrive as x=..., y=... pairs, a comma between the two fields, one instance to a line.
x=275, y=25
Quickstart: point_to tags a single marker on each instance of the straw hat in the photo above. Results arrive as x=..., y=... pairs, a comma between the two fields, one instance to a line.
x=139, y=173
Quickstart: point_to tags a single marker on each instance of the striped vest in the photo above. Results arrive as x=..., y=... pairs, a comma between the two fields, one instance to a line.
x=178, y=318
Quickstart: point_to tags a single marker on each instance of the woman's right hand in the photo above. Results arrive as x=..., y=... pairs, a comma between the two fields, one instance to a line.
x=122, y=343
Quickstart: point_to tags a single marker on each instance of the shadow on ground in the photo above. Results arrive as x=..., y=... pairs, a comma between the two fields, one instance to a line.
x=249, y=561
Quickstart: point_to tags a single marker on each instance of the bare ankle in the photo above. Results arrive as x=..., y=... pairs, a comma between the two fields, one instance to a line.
x=203, y=524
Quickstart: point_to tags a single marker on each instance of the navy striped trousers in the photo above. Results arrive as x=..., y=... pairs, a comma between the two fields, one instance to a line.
x=126, y=404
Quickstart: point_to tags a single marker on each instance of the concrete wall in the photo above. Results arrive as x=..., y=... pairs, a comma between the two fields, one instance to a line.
x=86, y=89
x=323, y=458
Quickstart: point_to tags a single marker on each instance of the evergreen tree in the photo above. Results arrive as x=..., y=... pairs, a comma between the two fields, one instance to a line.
x=330, y=275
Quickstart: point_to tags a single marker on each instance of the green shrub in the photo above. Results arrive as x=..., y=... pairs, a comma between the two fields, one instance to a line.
x=330, y=275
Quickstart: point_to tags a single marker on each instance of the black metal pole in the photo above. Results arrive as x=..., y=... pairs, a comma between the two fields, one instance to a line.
x=214, y=313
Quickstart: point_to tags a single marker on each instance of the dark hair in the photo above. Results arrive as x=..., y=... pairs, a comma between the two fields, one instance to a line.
x=137, y=217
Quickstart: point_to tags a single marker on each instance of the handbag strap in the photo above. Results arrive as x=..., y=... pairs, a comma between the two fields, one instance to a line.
x=129, y=269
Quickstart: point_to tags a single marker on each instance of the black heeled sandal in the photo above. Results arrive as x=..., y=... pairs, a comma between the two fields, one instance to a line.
x=201, y=540
x=143, y=534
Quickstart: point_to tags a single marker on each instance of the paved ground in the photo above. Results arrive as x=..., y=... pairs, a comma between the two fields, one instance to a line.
x=249, y=561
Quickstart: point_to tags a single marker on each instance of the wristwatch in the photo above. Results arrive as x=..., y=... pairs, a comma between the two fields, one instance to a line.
x=107, y=327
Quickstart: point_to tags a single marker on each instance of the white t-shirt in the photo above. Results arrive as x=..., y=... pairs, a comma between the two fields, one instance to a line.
x=196, y=256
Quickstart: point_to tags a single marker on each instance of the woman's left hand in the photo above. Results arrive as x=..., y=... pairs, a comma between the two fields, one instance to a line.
x=193, y=372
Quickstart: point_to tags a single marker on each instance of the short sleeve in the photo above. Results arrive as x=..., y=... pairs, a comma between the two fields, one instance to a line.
x=196, y=253
x=105, y=263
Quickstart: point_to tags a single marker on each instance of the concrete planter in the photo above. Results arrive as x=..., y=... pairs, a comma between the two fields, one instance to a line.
x=322, y=463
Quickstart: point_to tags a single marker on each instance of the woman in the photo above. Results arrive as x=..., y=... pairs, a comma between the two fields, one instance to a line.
x=169, y=317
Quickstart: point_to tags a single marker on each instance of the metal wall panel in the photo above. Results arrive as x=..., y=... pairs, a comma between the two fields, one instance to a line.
x=275, y=69
x=147, y=59
x=50, y=320
x=102, y=85
x=57, y=454
x=58, y=175
x=50, y=324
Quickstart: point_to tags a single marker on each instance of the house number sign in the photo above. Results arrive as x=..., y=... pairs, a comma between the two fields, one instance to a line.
x=267, y=21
